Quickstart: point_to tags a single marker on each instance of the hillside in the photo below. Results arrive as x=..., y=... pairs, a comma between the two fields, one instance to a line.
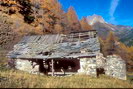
x=35, y=17
x=18, y=79
x=19, y=18
x=42, y=18
x=32, y=17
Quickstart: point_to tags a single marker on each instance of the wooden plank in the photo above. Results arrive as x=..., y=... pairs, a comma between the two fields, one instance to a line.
x=58, y=38
x=41, y=39
x=34, y=37
x=52, y=39
x=31, y=39
x=52, y=67
x=44, y=38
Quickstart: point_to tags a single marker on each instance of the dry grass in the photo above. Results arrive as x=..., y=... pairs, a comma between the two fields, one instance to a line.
x=3, y=59
x=18, y=79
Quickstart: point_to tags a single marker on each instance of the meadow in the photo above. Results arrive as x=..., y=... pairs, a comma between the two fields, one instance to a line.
x=11, y=78
x=18, y=79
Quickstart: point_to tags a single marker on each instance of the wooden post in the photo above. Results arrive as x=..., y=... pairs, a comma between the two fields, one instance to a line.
x=52, y=67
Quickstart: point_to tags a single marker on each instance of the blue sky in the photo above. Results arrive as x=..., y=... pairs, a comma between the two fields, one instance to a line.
x=119, y=12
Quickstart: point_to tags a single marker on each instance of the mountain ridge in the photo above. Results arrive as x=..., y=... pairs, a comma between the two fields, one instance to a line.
x=124, y=33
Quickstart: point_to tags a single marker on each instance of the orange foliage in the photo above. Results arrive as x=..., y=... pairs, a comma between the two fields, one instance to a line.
x=112, y=46
x=73, y=20
x=84, y=24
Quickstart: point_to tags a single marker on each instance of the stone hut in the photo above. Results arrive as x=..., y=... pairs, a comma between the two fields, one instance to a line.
x=59, y=54
x=112, y=66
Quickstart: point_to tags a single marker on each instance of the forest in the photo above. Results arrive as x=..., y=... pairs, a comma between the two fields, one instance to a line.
x=37, y=17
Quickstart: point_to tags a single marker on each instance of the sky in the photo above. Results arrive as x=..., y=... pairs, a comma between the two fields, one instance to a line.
x=118, y=12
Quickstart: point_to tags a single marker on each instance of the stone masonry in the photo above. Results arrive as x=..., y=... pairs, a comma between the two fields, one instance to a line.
x=113, y=66
x=26, y=65
x=88, y=66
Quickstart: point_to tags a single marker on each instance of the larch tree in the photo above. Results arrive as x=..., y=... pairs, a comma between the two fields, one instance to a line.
x=111, y=44
x=130, y=58
x=102, y=46
x=24, y=7
x=73, y=20
x=126, y=53
x=53, y=18
x=84, y=24
x=26, y=10
x=45, y=16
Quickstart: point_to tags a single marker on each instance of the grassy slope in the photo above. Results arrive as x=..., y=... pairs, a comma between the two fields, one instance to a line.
x=19, y=79
x=14, y=79
x=3, y=59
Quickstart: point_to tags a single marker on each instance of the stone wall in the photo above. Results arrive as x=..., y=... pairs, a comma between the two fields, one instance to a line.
x=88, y=66
x=115, y=67
x=26, y=65
x=100, y=60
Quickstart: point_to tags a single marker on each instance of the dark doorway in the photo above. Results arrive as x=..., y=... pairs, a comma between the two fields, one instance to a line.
x=100, y=71
x=42, y=69
x=68, y=65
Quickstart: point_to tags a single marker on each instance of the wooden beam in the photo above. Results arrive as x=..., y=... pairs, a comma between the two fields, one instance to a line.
x=52, y=67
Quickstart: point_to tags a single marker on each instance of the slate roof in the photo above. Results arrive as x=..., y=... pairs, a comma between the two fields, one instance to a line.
x=57, y=46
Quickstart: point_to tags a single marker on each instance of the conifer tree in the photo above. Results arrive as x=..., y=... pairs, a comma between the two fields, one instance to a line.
x=73, y=20
x=111, y=44
x=126, y=53
x=53, y=18
x=84, y=24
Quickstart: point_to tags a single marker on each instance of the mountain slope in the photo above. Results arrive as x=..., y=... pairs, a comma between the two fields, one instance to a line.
x=95, y=18
x=125, y=33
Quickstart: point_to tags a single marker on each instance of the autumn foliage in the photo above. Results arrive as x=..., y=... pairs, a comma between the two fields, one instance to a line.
x=84, y=24
x=45, y=16
x=32, y=17
x=73, y=20
x=111, y=45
